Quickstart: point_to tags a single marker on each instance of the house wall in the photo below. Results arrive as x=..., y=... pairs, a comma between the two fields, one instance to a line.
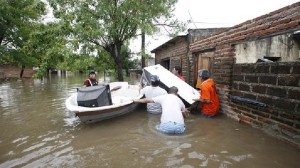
x=10, y=71
x=178, y=52
x=277, y=85
x=175, y=52
x=195, y=34
x=227, y=45
x=281, y=46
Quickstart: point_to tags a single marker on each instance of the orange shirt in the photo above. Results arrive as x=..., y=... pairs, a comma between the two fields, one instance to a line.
x=208, y=92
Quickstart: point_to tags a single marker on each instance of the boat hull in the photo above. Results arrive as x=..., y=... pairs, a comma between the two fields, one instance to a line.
x=88, y=117
x=121, y=104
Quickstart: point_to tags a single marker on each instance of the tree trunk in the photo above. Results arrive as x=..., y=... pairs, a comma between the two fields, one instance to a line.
x=118, y=60
x=115, y=52
x=104, y=75
x=143, y=50
x=2, y=32
x=22, y=71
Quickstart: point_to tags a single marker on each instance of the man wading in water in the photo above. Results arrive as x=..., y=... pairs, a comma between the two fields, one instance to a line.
x=173, y=112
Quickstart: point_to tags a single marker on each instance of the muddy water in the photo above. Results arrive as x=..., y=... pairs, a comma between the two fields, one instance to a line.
x=36, y=130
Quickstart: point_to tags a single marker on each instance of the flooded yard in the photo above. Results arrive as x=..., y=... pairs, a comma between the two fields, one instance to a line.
x=38, y=131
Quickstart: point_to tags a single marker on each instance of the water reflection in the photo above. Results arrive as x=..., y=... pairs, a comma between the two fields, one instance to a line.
x=38, y=131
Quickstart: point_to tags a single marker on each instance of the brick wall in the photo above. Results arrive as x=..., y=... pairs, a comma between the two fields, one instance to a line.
x=175, y=52
x=282, y=21
x=177, y=49
x=201, y=33
x=10, y=71
x=277, y=85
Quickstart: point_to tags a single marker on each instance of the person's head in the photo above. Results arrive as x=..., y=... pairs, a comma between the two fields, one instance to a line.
x=203, y=74
x=92, y=74
x=176, y=70
x=154, y=80
x=173, y=90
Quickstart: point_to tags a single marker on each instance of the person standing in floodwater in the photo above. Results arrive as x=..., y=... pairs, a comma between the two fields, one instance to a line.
x=208, y=103
x=153, y=91
x=173, y=112
x=91, y=81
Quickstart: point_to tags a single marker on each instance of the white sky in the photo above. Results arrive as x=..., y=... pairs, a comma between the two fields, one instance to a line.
x=213, y=14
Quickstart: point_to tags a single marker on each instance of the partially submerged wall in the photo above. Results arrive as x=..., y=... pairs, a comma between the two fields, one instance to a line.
x=10, y=71
x=226, y=45
x=267, y=95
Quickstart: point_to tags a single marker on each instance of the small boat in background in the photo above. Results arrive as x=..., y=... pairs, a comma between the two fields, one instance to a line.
x=121, y=103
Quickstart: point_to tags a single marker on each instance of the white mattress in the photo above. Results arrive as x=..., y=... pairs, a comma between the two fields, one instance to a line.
x=185, y=91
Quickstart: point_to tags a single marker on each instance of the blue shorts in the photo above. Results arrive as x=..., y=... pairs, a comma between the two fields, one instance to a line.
x=171, y=128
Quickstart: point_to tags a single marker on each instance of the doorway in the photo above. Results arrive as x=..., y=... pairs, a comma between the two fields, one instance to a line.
x=166, y=63
x=203, y=60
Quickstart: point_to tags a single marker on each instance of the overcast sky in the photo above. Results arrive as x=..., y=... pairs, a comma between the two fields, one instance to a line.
x=213, y=14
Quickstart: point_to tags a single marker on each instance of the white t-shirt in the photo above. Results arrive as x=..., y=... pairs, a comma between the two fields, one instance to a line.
x=172, y=108
x=150, y=92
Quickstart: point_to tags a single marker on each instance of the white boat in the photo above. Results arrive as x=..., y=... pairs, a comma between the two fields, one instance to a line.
x=121, y=104
x=168, y=79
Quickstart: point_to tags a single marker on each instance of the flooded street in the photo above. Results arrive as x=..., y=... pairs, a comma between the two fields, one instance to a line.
x=38, y=131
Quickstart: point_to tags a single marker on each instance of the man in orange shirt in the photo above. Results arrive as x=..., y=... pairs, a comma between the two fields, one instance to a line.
x=208, y=103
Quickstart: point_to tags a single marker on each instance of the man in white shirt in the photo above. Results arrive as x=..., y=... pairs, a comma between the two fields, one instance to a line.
x=173, y=111
x=153, y=91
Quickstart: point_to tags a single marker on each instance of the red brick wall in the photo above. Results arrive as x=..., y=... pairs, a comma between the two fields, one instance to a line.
x=281, y=21
x=175, y=52
x=10, y=71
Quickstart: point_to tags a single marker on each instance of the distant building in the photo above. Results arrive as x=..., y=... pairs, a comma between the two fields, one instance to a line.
x=150, y=61
x=13, y=71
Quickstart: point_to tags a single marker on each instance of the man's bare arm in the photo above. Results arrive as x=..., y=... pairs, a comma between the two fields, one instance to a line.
x=145, y=100
x=186, y=113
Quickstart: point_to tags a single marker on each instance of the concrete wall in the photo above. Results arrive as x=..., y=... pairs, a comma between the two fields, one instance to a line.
x=282, y=46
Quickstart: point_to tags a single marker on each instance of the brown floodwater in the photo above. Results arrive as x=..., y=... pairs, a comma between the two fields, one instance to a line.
x=38, y=131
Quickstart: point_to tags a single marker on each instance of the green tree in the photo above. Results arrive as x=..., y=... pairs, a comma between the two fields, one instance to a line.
x=128, y=61
x=108, y=24
x=18, y=19
x=48, y=47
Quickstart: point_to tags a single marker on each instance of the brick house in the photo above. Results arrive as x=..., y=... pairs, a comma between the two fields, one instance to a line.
x=13, y=71
x=264, y=95
x=175, y=51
